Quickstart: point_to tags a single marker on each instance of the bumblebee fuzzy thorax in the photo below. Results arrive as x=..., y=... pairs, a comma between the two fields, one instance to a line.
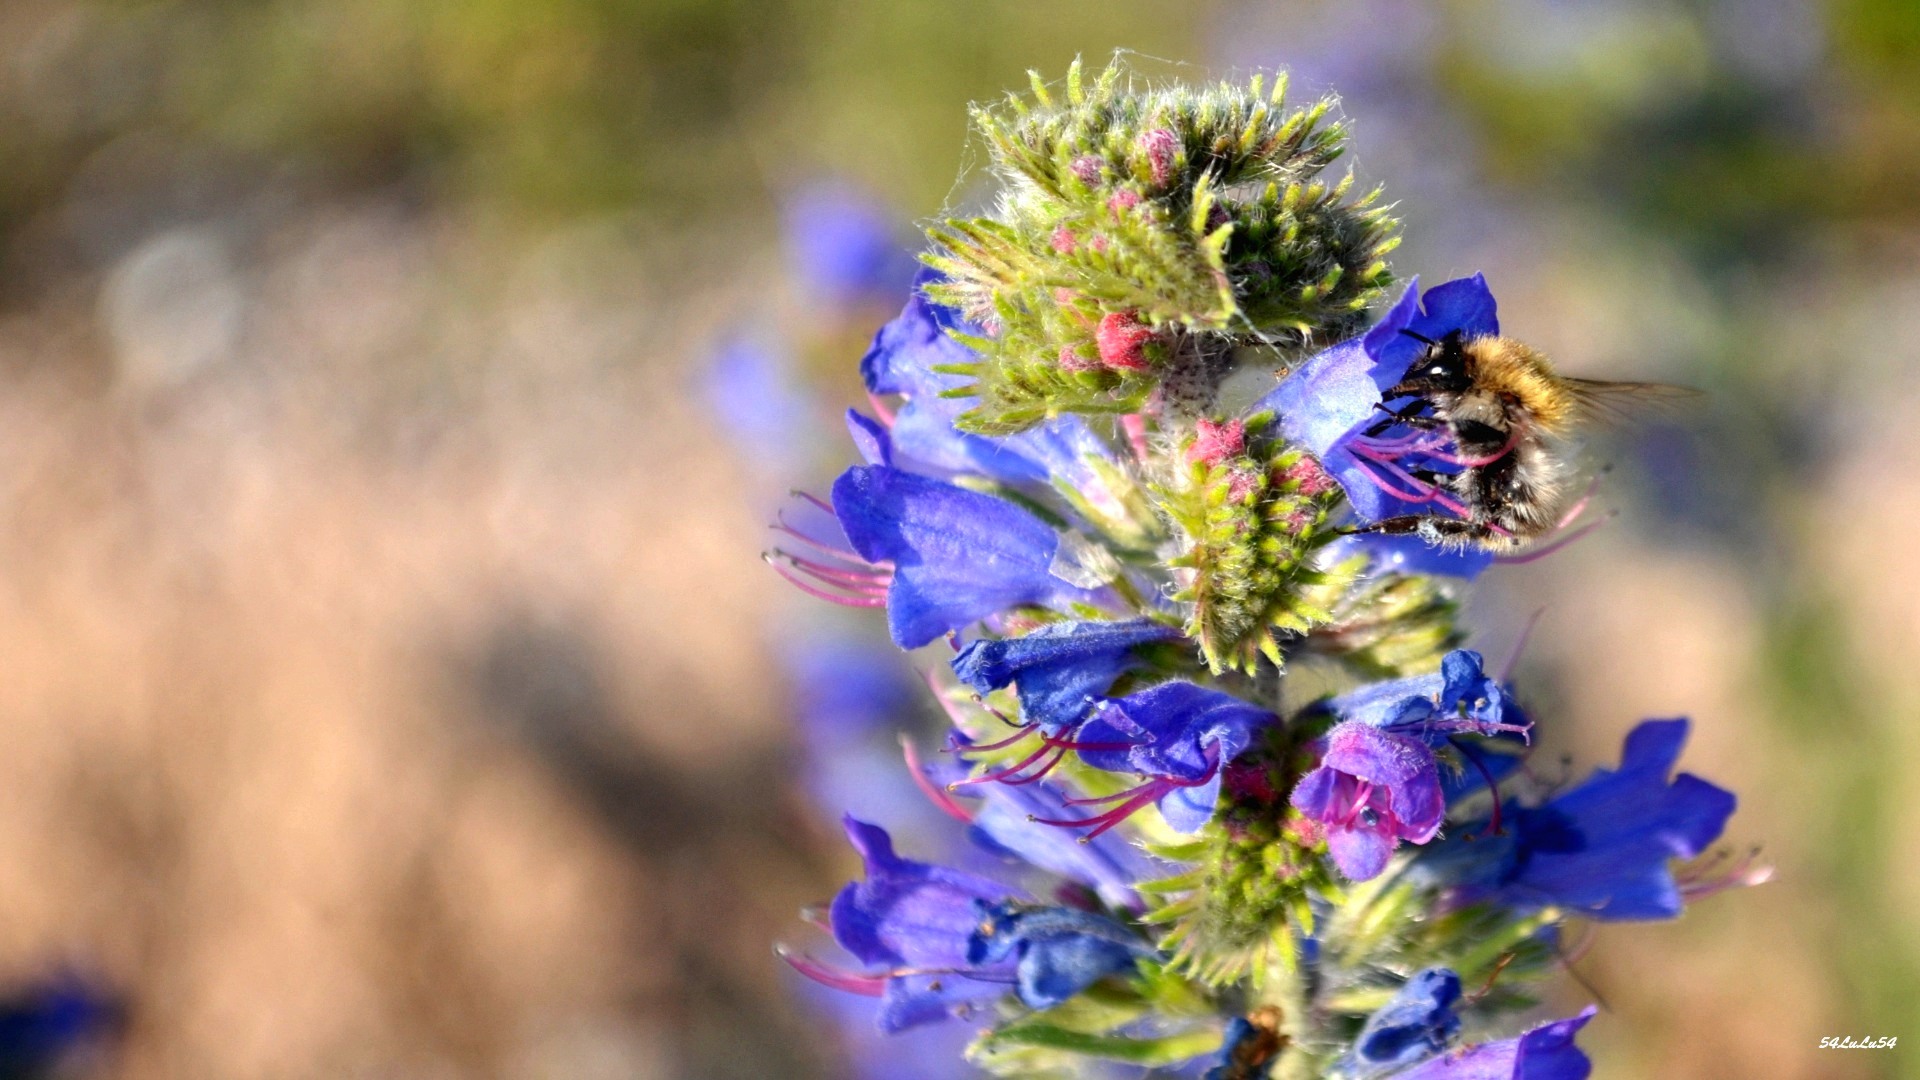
x=1521, y=376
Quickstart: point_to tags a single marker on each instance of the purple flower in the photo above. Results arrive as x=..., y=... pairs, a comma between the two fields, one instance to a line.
x=1178, y=736
x=1417, y=1024
x=1058, y=669
x=955, y=556
x=1378, y=782
x=945, y=940
x=843, y=245
x=906, y=357
x=1545, y=1053
x=1372, y=789
x=1601, y=849
x=1329, y=404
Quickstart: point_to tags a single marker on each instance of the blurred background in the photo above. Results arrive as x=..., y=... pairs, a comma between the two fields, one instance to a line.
x=393, y=394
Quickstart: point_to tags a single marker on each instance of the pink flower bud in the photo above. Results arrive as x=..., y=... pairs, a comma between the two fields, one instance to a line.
x=1214, y=443
x=1160, y=146
x=1123, y=341
x=1309, y=476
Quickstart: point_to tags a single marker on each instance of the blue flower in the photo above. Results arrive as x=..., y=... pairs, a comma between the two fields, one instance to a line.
x=852, y=695
x=1417, y=1024
x=1545, y=1053
x=1108, y=865
x=946, y=940
x=749, y=386
x=957, y=556
x=1601, y=849
x=1378, y=782
x=846, y=686
x=843, y=245
x=1329, y=403
x=1058, y=669
x=1057, y=952
x=905, y=359
x=46, y=1022
x=1177, y=735
x=1459, y=698
x=1004, y=825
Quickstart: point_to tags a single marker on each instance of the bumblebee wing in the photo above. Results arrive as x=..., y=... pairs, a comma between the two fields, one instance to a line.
x=1619, y=402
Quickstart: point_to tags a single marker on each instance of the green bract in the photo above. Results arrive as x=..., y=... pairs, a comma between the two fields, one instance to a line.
x=1142, y=236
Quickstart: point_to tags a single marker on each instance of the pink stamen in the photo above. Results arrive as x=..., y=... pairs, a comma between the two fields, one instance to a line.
x=1424, y=491
x=1434, y=494
x=817, y=501
x=844, y=576
x=997, y=714
x=1002, y=774
x=818, y=916
x=1513, y=438
x=946, y=703
x=1134, y=799
x=1590, y=932
x=1397, y=442
x=815, y=542
x=1037, y=775
x=1493, y=827
x=1708, y=879
x=934, y=793
x=1542, y=552
x=852, y=982
x=1102, y=822
x=1069, y=744
x=1579, y=504
x=1361, y=795
x=880, y=408
x=982, y=748
x=821, y=594
x=1380, y=482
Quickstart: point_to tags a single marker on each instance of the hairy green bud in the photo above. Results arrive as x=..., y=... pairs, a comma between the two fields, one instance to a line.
x=1251, y=511
x=1143, y=235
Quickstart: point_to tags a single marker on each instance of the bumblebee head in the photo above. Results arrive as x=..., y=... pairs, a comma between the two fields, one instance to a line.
x=1440, y=369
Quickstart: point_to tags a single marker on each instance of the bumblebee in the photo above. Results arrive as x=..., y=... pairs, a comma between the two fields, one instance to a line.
x=1510, y=420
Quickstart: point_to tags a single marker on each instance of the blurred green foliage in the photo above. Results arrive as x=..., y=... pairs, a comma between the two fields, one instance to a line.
x=549, y=106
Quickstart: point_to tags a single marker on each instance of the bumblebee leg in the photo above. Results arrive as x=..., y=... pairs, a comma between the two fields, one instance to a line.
x=1474, y=532
x=1396, y=526
x=1408, y=414
x=1443, y=529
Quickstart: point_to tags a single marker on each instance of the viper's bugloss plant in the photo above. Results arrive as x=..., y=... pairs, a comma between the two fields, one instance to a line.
x=1207, y=868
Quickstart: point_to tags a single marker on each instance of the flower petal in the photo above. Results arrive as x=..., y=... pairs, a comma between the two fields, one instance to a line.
x=1361, y=854
x=958, y=555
